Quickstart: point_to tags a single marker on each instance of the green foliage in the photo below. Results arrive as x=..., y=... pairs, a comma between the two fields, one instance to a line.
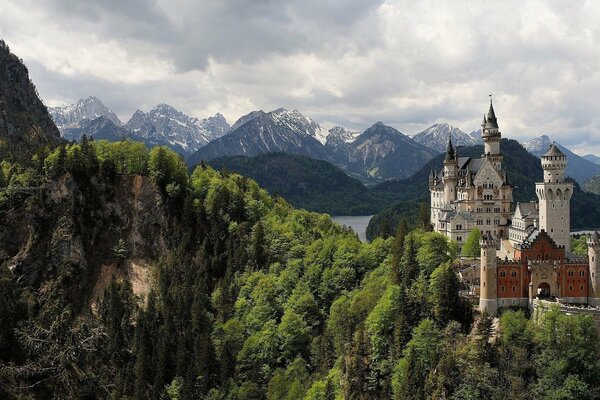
x=579, y=245
x=471, y=247
x=253, y=299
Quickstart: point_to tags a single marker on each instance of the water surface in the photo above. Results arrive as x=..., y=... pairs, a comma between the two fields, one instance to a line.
x=357, y=223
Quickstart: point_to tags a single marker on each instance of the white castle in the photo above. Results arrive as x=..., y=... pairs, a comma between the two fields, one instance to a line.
x=532, y=240
x=474, y=193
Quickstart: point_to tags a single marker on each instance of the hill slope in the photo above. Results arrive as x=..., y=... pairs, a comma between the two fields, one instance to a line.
x=315, y=185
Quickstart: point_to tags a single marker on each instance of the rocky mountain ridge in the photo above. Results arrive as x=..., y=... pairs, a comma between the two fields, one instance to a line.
x=72, y=115
x=436, y=137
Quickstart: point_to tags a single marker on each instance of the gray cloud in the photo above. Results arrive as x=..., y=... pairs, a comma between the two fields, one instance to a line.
x=351, y=62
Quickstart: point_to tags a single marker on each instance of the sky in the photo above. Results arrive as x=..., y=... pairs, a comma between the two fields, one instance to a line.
x=341, y=62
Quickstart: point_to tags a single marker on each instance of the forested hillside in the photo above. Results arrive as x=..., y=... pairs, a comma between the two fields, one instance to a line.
x=315, y=185
x=125, y=277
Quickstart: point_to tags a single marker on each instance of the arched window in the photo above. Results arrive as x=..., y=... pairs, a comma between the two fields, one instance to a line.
x=513, y=273
x=581, y=272
x=571, y=272
x=502, y=274
x=514, y=288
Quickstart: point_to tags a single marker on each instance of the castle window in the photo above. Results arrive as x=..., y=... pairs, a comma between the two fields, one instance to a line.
x=502, y=288
x=581, y=272
x=570, y=287
x=514, y=288
x=581, y=288
x=513, y=273
x=571, y=272
x=502, y=274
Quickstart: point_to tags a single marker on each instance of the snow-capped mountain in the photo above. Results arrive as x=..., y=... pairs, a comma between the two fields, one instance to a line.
x=245, y=118
x=381, y=153
x=436, y=137
x=166, y=124
x=84, y=109
x=259, y=132
x=340, y=135
x=578, y=167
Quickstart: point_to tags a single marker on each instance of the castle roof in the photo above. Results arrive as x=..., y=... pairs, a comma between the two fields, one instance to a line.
x=450, y=153
x=526, y=210
x=490, y=120
x=553, y=150
x=468, y=168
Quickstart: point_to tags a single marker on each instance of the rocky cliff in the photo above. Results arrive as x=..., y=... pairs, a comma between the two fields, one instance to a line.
x=25, y=125
x=77, y=232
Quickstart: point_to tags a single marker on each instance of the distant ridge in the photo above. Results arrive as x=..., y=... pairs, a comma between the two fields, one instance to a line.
x=578, y=167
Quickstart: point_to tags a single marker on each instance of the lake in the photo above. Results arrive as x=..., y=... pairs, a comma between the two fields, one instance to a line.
x=357, y=223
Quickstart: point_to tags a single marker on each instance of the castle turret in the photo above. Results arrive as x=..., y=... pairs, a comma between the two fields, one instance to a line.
x=490, y=133
x=431, y=177
x=594, y=260
x=450, y=172
x=488, y=297
x=554, y=196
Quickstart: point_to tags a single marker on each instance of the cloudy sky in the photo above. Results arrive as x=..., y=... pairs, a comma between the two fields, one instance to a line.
x=348, y=62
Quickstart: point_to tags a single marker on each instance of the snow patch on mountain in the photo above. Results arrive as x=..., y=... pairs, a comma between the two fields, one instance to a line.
x=167, y=124
x=84, y=109
x=436, y=137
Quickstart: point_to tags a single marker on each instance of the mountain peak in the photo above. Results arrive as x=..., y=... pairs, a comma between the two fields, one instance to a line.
x=84, y=109
x=436, y=137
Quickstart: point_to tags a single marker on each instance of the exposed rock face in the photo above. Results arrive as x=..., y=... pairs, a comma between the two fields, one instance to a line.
x=88, y=219
x=381, y=153
x=182, y=133
x=25, y=124
x=436, y=137
x=88, y=109
x=259, y=132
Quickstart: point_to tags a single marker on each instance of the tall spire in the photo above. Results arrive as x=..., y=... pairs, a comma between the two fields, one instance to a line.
x=450, y=149
x=490, y=120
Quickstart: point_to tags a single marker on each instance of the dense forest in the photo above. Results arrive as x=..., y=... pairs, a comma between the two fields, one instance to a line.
x=245, y=298
x=315, y=185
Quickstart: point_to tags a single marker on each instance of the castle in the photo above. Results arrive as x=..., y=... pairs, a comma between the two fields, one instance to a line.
x=533, y=239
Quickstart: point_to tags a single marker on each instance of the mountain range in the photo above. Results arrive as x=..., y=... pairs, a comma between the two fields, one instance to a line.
x=162, y=125
x=378, y=154
x=578, y=168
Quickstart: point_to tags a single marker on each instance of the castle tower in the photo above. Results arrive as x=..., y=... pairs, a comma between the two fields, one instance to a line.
x=594, y=274
x=554, y=196
x=450, y=173
x=488, y=297
x=490, y=133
